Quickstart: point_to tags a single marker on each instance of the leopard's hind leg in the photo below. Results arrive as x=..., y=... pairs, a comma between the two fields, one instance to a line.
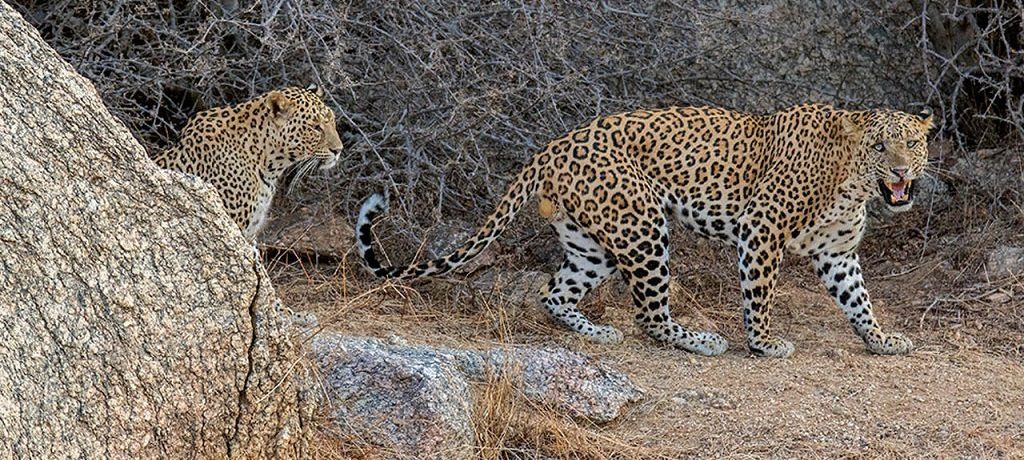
x=644, y=265
x=585, y=266
x=634, y=232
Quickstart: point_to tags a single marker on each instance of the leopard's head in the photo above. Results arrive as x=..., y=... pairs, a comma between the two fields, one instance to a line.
x=895, y=146
x=304, y=125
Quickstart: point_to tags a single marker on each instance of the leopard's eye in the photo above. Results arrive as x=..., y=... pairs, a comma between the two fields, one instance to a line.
x=879, y=146
x=911, y=144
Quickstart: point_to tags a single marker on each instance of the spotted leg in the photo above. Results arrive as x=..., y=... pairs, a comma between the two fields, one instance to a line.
x=842, y=276
x=585, y=266
x=759, y=258
x=642, y=255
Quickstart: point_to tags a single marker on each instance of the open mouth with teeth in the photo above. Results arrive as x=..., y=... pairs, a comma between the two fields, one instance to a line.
x=896, y=194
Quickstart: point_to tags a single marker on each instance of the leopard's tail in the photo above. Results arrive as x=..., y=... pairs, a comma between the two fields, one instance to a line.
x=519, y=192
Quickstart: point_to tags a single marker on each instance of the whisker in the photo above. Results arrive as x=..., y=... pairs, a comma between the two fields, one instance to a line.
x=941, y=173
x=300, y=172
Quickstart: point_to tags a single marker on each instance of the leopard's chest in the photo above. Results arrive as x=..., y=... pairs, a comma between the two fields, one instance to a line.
x=260, y=208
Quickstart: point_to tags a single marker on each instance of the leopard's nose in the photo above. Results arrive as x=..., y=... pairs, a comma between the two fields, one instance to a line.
x=900, y=171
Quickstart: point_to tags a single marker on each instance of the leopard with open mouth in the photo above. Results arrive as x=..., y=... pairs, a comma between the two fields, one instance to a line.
x=794, y=181
x=898, y=195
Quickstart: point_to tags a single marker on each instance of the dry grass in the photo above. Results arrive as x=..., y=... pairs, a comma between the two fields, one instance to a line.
x=507, y=425
x=330, y=447
x=510, y=427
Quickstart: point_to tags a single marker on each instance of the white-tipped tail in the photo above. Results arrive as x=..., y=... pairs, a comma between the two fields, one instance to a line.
x=519, y=192
x=374, y=206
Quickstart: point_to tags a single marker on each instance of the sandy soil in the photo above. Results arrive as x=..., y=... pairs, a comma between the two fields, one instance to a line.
x=961, y=392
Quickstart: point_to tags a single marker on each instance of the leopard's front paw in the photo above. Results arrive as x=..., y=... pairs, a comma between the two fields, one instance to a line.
x=770, y=347
x=703, y=343
x=606, y=335
x=890, y=344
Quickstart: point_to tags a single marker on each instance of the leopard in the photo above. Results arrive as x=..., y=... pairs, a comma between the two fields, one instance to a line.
x=793, y=182
x=244, y=149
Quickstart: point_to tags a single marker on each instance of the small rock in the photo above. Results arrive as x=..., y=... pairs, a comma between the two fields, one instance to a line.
x=721, y=403
x=568, y=381
x=998, y=298
x=413, y=403
x=837, y=354
x=706, y=398
x=840, y=411
x=415, y=400
x=1006, y=261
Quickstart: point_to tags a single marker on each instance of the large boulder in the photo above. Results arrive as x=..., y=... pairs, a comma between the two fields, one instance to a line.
x=135, y=321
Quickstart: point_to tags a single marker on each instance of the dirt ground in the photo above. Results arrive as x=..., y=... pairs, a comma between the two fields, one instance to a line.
x=959, y=394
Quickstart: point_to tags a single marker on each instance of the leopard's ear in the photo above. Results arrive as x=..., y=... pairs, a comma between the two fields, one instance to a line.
x=926, y=119
x=316, y=89
x=280, y=106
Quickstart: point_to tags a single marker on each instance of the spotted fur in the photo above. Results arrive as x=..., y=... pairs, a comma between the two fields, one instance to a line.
x=242, y=150
x=795, y=181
